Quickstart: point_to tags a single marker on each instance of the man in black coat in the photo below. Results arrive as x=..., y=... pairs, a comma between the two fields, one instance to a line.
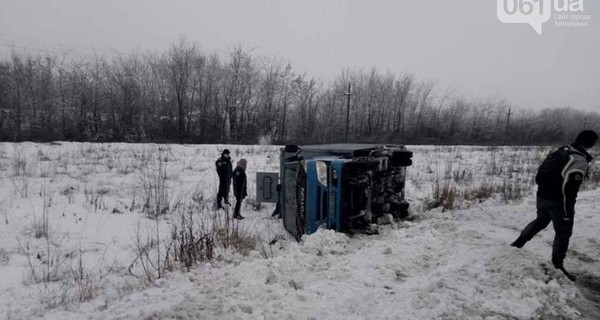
x=558, y=186
x=224, y=170
x=240, y=188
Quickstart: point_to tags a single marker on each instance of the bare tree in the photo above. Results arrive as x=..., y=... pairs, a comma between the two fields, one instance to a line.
x=182, y=61
x=184, y=94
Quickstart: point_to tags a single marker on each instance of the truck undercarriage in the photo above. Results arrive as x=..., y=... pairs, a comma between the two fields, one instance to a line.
x=373, y=186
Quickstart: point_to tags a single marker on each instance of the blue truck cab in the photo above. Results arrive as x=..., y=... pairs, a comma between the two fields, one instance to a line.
x=344, y=187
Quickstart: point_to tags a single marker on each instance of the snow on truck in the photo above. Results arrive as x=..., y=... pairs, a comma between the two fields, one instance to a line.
x=344, y=187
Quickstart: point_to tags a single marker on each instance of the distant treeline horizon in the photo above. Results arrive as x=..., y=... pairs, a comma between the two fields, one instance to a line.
x=184, y=95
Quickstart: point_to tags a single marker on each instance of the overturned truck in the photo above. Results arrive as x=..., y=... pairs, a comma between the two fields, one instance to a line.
x=344, y=187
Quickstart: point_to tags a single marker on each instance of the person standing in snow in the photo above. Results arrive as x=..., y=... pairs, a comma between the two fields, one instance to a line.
x=558, y=179
x=240, y=190
x=277, y=212
x=224, y=171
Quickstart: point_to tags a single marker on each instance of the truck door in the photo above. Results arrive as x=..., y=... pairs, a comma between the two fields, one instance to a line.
x=317, y=203
x=335, y=195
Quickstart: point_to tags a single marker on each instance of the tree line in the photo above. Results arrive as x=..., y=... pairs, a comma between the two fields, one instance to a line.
x=186, y=95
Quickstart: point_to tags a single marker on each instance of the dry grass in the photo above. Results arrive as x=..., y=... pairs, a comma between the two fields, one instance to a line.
x=195, y=236
x=95, y=197
x=481, y=192
x=19, y=161
x=152, y=255
x=507, y=174
x=445, y=195
x=4, y=257
x=236, y=238
x=194, y=242
x=41, y=224
x=20, y=186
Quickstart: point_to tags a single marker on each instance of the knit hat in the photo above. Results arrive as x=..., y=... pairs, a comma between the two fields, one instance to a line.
x=587, y=138
x=226, y=151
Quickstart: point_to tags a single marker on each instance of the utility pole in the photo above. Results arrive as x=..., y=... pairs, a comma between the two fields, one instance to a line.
x=348, y=94
x=507, y=126
x=585, y=123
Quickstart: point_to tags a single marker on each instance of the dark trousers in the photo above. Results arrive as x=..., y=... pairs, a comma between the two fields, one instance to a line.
x=238, y=205
x=276, y=211
x=551, y=211
x=223, y=192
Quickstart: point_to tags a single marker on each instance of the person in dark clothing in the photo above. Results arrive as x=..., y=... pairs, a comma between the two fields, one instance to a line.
x=224, y=170
x=556, y=198
x=276, y=213
x=240, y=188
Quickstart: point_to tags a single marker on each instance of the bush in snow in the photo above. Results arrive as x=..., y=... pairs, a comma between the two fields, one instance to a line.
x=4, y=257
x=194, y=241
x=445, y=195
x=153, y=179
x=229, y=234
x=19, y=161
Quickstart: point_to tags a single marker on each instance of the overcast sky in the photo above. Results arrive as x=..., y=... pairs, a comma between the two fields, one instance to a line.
x=460, y=44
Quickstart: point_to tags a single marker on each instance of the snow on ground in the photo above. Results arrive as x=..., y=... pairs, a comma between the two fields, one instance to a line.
x=444, y=264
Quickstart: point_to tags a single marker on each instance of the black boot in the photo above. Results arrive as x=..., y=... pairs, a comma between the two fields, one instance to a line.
x=239, y=217
x=558, y=264
x=519, y=243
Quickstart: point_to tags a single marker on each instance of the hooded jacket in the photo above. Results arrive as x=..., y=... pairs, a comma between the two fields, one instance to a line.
x=240, y=188
x=564, y=192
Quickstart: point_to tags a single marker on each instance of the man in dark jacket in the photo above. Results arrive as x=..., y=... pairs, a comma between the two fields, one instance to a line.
x=240, y=188
x=224, y=170
x=556, y=197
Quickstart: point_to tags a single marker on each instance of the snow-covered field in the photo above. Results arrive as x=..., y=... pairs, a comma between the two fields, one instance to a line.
x=74, y=221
